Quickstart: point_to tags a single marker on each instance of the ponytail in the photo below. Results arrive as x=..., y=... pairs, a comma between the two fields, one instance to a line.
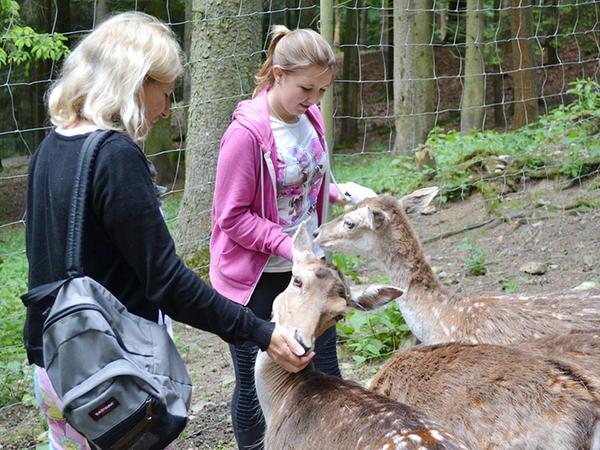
x=265, y=78
x=293, y=50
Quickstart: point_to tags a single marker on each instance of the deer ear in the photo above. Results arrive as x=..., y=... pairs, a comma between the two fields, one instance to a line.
x=376, y=217
x=418, y=200
x=302, y=241
x=373, y=296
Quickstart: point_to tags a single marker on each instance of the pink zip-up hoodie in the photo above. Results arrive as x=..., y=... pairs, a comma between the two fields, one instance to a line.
x=245, y=221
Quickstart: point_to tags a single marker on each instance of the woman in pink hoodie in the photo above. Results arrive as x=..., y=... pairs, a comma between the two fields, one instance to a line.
x=272, y=174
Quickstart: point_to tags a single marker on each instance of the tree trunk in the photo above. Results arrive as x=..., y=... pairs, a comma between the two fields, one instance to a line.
x=386, y=26
x=39, y=16
x=306, y=17
x=289, y=20
x=413, y=73
x=187, y=84
x=524, y=77
x=473, y=95
x=224, y=56
x=350, y=91
x=389, y=51
x=364, y=23
x=443, y=20
x=498, y=76
x=102, y=10
x=338, y=24
x=158, y=147
x=551, y=30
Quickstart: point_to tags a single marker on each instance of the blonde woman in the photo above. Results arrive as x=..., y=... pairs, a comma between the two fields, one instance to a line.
x=121, y=77
x=272, y=174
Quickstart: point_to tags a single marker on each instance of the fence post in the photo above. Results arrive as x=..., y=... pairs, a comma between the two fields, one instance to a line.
x=327, y=24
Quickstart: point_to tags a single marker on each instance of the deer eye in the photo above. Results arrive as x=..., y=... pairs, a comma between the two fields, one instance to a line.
x=338, y=317
x=348, y=224
x=297, y=282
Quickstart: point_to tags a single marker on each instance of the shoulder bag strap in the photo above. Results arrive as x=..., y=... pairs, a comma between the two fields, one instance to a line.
x=85, y=165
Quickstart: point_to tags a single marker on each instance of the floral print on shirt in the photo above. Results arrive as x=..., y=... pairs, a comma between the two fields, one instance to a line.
x=299, y=175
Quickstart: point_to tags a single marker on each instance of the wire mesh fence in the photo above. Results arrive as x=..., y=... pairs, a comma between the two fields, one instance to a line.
x=412, y=74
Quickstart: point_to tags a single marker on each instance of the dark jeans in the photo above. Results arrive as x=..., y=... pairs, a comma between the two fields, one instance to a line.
x=247, y=418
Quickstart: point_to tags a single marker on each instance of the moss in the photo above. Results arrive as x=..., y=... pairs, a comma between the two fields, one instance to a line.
x=199, y=262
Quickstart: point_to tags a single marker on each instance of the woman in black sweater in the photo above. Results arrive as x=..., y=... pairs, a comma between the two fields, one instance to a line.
x=120, y=77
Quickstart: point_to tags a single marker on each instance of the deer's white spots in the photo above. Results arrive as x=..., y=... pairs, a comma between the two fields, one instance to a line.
x=445, y=329
x=414, y=438
x=436, y=435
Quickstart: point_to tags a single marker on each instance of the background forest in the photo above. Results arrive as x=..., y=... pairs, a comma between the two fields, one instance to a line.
x=495, y=101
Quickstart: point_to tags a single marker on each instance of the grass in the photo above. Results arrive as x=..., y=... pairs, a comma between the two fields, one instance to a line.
x=15, y=374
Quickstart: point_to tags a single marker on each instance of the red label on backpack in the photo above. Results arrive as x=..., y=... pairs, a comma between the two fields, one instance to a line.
x=104, y=409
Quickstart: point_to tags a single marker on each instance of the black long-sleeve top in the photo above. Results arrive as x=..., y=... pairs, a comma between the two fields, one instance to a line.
x=127, y=247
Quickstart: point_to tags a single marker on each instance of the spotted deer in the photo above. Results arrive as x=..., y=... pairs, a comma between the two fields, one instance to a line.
x=379, y=228
x=310, y=410
x=495, y=397
x=578, y=352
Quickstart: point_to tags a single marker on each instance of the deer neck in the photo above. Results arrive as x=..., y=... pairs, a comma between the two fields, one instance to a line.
x=273, y=383
x=425, y=304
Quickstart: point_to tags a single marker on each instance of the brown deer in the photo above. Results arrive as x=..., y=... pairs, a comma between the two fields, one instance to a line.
x=310, y=410
x=496, y=397
x=579, y=352
x=379, y=228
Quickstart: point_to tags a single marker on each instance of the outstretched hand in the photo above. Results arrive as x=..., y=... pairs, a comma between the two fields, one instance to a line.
x=286, y=351
x=354, y=193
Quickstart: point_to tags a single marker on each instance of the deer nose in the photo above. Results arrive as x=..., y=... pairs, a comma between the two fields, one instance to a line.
x=315, y=234
x=299, y=340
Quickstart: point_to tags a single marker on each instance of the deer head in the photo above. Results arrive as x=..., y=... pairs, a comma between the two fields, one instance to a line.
x=318, y=296
x=367, y=227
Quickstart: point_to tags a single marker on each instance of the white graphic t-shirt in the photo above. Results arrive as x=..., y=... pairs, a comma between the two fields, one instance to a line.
x=301, y=165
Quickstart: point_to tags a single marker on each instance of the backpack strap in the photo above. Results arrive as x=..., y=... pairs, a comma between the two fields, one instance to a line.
x=39, y=293
x=87, y=157
x=73, y=263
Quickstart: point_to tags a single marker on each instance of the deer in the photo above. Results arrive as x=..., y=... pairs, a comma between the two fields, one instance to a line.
x=497, y=397
x=480, y=396
x=579, y=352
x=311, y=410
x=379, y=228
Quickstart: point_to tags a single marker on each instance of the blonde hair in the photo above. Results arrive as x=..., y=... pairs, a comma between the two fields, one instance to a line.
x=102, y=78
x=293, y=50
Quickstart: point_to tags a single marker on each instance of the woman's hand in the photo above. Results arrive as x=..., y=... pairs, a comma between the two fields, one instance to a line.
x=285, y=351
x=354, y=193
